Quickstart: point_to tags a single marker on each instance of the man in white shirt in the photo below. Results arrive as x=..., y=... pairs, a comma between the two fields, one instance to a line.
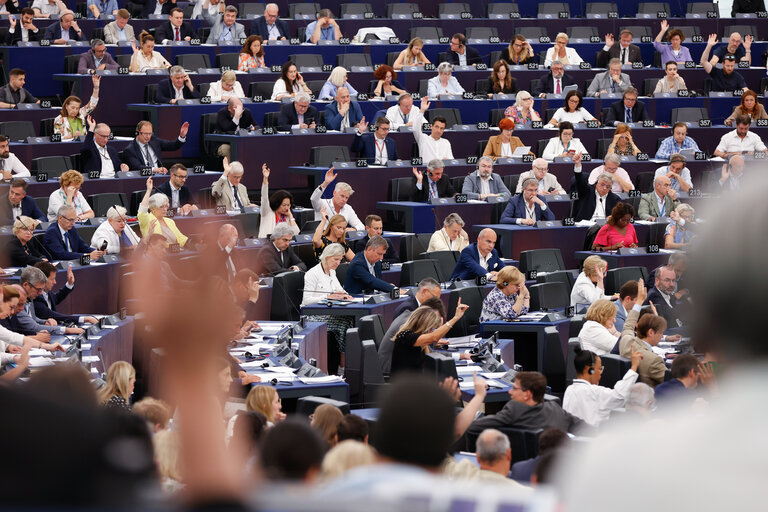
x=740, y=141
x=621, y=180
x=679, y=175
x=732, y=174
x=25, y=30
x=401, y=114
x=44, y=8
x=431, y=146
x=10, y=165
x=336, y=205
x=548, y=183
x=586, y=399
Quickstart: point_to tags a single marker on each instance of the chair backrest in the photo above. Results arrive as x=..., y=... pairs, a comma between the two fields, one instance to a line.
x=470, y=322
x=616, y=277
x=553, y=8
x=46, y=126
x=688, y=115
x=150, y=93
x=532, y=33
x=541, y=146
x=193, y=61
x=324, y=156
x=425, y=32
x=406, y=9
x=286, y=296
x=502, y=9
x=208, y=125
x=341, y=272
x=455, y=8
x=391, y=58
x=510, y=180
x=482, y=33
x=303, y=10
x=559, y=276
x=50, y=164
x=653, y=8
x=638, y=31
x=414, y=246
x=601, y=8
x=570, y=369
x=17, y=130
x=649, y=85
x=104, y=201
x=310, y=60
x=353, y=366
x=373, y=379
x=644, y=181
x=42, y=203
x=371, y=327
x=701, y=8
x=263, y=89
x=495, y=115
x=524, y=443
x=347, y=60
x=231, y=60
x=589, y=238
x=445, y=261
x=414, y=271
x=614, y=369
x=581, y=32
x=271, y=119
x=689, y=30
x=602, y=147
x=315, y=86
x=70, y=63
x=248, y=8
x=123, y=60
x=545, y=296
x=354, y=10
x=544, y=260
x=306, y=252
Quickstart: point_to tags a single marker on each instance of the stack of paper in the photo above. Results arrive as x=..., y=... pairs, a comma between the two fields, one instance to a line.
x=321, y=380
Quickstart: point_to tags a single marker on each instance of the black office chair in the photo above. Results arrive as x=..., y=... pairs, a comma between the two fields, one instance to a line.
x=104, y=201
x=510, y=180
x=250, y=10
x=581, y=32
x=400, y=189
x=402, y=10
x=495, y=115
x=649, y=85
x=600, y=8
x=70, y=63
x=414, y=246
x=452, y=10
x=502, y=10
x=650, y=9
x=549, y=10
x=414, y=271
x=481, y=145
x=391, y=58
x=307, y=60
x=616, y=277
x=54, y=166
x=688, y=115
x=542, y=260
x=230, y=60
x=644, y=181
x=570, y=357
x=303, y=10
x=341, y=272
x=347, y=60
x=371, y=327
x=541, y=146
x=46, y=127
x=286, y=296
x=193, y=61
x=532, y=33
x=546, y=296
x=373, y=378
x=306, y=253
x=426, y=33
x=446, y=262
x=589, y=238
x=457, y=183
x=42, y=203
x=602, y=147
x=483, y=33
x=744, y=30
x=558, y=276
x=702, y=9
x=353, y=366
x=208, y=125
x=470, y=322
x=524, y=443
x=17, y=131
x=354, y=11
x=614, y=369
x=150, y=93
x=263, y=89
x=324, y=156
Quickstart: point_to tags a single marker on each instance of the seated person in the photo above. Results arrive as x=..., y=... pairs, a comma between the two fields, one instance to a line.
x=177, y=190
x=444, y=82
x=46, y=301
x=731, y=174
x=426, y=294
x=553, y=82
x=63, y=242
x=234, y=116
x=674, y=51
x=459, y=54
x=611, y=166
x=522, y=112
x=663, y=297
x=320, y=282
x=22, y=249
x=438, y=185
x=96, y=59
x=97, y=155
x=598, y=333
x=225, y=88
x=152, y=219
x=374, y=227
x=337, y=78
x=625, y=51
x=10, y=165
x=228, y=190
x=504, y=144
x=375, y=147
x=590, y=284
x=278, y=256
x=500, y=81
x=290, y=82
x=560, y=51
x=14, y=92
x=677, y=234
x=225, y=29
x=343, y=113
x=572, y=111
x=650, y=330
x=22, y=28
x=177, y=87
x=671, y=82
x=386, y=85
x=332, y=231
x=548, y=183
x=298, y=114
x=116, y=232
x=175, y=29
x=740, y=141
x=509, y=299
x=69, y=193
x=610, y=81
x=618, y=231
x=403, y=113
x=251, y=54
x=451, y=236
x=726, y=79
x=18, y=203
x=413, y=55
x=595, y=201
x=364, y=272
x=564, y=145
x=679, y=175
x=749, y=107
x=324, y=29
x=145, y=150
x=64, y=30
x=145, y=57
x=71, y=122
x=484, y=183
x=528, y=207
x=119, y=30
x=660, y=202
x=627, y=110
x=337, y=204
x=677, y=142
x=269, y=26
x=685, y=372
x=433, y=145
x=627, y=299
x=519, y=51
x=275, y=209
x=622, y=143
x=742, y=52
x=44, y=8
x=479, y=259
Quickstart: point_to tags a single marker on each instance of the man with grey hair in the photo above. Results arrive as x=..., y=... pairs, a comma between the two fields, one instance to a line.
x=627, y=109
x=228, y=190
x=270, y=27
x=232, y=118
x=432, y=146
x=11, y=342
x=33, y=282
x=484, y=183
x=364, y=272
x=177, y=87
x=401, y=114
x=63, y=242
x=679, y=175
x=659, y=203
x=279, y=256
x=611, y=165
x=97, y=155
x=337, y=204
x=610, y=81
x=226, y=30
x=592, y=202
x=527, y=208
x=428, y=288
x=437, y=184
x=96, y=60
x=494, y=455
x=116, y=232
x=548, y=183
x=553, y=82
x=451, y=237
x=220, y=254
x=299, y=114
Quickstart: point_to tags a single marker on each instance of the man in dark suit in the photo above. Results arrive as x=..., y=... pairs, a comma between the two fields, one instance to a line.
x=96, y=59
x=65, y=25
x=177, y=191
x=527, y=208
x=176, y=29
x=437, y=185
x=548, y=84
x=342, y=113
x=150, y=7
x=663, y=298
x=364, y=272
x=479, y=259
x=97, y=155
x=299, y=114
x=46, y=301
x=62, y=240
x=178, y=86
x=374, y=227
x=278, y=256
x=625, y=51
x=245, y=292
x=269, y=26
x=375, y=147
x=234, y=116
x=13, y=93
x=428, y=288
x=627, y=110
x=595, y=201
x=19, y=204
x=145, y=150
x=460, y=54
x=25, y=30
x=218, y=253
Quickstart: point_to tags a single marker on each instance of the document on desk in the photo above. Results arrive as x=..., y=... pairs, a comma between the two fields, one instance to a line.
x=39, y=352
x=466, y=385
x=495, y=384
x=463, y=341
x=463, y=371
x=532, y=317
x=325, y=379
x=39, y=362
x=266, y=377
x=493, y=375
x=279, y=369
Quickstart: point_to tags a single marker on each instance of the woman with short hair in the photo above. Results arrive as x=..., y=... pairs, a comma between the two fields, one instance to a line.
x=225, y=88
x=69, y=193
x=560, y=51
x=598, y=333
x=522, y=112
x=444, y=82
x=451, y=236
x=337, y=78
x=152, y=219
x=23, y=249
x=590, y=285
x=509, y=299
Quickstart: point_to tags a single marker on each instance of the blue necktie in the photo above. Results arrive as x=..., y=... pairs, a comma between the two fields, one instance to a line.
x=627, y=115
x=433, y=189
x=237, y=200
x=66, y=242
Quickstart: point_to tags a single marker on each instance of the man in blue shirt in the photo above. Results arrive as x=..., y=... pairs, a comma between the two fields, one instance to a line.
x=677, y=142
x=324, y=29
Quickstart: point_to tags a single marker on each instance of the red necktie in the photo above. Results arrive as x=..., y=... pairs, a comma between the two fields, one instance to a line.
x=177, y=34
x=558, y=90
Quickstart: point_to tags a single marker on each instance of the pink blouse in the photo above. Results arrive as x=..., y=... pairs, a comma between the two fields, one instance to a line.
x=608, y=235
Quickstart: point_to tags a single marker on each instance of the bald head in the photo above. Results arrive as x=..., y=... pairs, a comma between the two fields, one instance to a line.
x=737, y=165
x=661, y=184
x=227, y=236
x=342, y=95
x=233, y=103
x=486, y=241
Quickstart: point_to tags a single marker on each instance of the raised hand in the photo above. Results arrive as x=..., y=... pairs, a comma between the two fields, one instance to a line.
x=747, y=42
x=96, y=79
x=70, y=277
x=150, y=184
x=419, y=176
x=265, y=171
x=642, y=292
x=712, y=41
x=12, y=21
x=183, y=130
x=91, y=123
x=424, y=104
x=330, y=175
x=460, y=309
x=609, y=40
x=362, y=126
x=664, y=26
x=635, y=357
x=226, y=165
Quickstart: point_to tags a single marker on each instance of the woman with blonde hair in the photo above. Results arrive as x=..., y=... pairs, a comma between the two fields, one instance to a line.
x=590, y=285
x=411, y=56
x=71, y=122
x=345, y=456
x=424, y=327
x=225, y=88
x=337, y=78
x=145, y=57
x=509, y=299
x=167, y=458
x=451, y=237
x=677, y=234
x=335, y=232
x=325, y=420
x=560, y=51
x=598, y=333
x=117, y=391
x=264, y=399
x=522, y=112
x=519, y=52
x=69, y=193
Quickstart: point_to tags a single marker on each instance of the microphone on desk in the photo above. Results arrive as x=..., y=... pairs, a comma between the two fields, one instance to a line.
x=275, y=382
x=18, y=218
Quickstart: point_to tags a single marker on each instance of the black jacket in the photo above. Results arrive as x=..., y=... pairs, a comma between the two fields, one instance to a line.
x=546, y=84
x=359, y=245
x=224, y=123
x=616, y=113
x=473, y=56
x=288, y=116
x=584, y=206
x=43, y=311
x=135, y=159
x=165, y=92
x=89, y=155
x=444, y=189
x=270, y=263
x=185, y=196
x=166, y=31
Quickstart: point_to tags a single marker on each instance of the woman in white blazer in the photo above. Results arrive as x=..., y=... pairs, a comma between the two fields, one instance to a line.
x=564, y=144
x=452, y=237
x=590, y=285
x=598, y=333
x=225, y=88
x=275, y=208
x=320, y=282
x=567, y=56
x=108, y=231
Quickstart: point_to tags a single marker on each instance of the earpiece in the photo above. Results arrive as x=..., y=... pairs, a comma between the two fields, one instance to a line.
x=504, y=283
x=592, y=368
